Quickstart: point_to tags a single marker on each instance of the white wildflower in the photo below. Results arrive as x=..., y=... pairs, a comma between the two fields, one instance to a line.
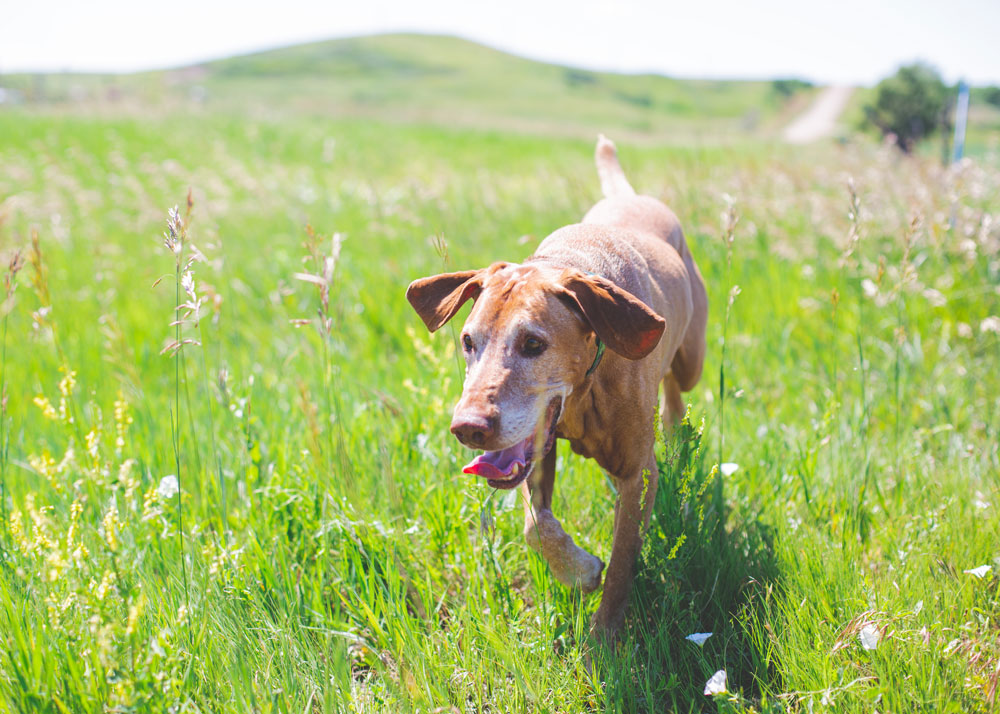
x=979, y=572
x=716, y=684
x=699, y=638
x=935, y=297
x=168, y=487
x=990, y=324
x=728, y=468
x=869, y=636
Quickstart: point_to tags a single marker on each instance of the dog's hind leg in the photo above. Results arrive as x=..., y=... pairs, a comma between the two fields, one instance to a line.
x=571, y=565
x=689, y=359
x=671, y=403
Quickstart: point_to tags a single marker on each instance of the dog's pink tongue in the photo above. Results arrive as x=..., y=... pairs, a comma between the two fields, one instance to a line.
x=497, y=464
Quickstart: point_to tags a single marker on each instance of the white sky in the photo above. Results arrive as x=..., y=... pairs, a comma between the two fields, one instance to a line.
x=851, y=41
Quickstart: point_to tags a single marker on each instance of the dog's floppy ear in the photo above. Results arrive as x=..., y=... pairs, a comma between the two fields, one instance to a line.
x=621, y=320
x=437, y=298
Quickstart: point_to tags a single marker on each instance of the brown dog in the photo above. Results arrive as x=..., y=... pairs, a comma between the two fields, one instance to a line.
x=536, y=369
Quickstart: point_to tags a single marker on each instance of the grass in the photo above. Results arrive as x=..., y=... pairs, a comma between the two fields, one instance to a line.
x=335, y=557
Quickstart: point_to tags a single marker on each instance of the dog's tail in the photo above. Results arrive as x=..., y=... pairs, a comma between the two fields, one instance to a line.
x=613, y=181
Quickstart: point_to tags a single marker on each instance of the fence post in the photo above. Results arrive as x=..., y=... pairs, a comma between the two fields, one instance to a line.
x=961, y=115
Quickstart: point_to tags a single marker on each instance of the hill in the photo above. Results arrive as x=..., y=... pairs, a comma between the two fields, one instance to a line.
x=437, y=80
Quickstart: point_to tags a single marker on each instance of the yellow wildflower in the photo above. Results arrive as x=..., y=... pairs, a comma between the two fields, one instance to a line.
x=93, y=439
x=74, y=523
x=55, y=563
x=50, y=607
x=67, y=383
x=64, y=414
x=122, y=421
x=77, y=550
x=66, y=386
x=125, y=477
x=106, y=585
x=150, y=503
x=79, y=554
x=16, y=530
x=134, y=613
x=57, y=609
x=44, y=465
x=48, y=411
x=110, y=526
x=40, y=540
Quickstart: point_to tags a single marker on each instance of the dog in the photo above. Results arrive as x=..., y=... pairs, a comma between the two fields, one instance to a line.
x=573, y=343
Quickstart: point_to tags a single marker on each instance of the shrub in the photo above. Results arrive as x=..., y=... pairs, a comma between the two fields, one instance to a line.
x=910, y=105
x=787, y=87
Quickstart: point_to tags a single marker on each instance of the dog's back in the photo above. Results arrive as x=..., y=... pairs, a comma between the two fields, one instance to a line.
x=622, y=207
x=634, y=256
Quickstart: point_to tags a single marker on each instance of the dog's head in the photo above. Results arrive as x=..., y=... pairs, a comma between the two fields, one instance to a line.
x=530, y=339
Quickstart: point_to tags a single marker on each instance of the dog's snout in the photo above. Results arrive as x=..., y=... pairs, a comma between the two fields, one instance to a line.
x=474, y=430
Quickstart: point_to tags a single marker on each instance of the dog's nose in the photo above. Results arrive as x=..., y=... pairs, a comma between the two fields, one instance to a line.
x=474, y=430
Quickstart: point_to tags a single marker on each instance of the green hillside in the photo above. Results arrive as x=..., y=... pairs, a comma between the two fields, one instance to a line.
x=437, y=80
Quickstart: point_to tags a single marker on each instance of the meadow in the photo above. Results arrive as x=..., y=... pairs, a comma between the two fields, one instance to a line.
x=260, y=508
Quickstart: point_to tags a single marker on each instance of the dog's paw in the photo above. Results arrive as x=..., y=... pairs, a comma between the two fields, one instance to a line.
x=589, y=577
x=606, y=626
x=579, y=570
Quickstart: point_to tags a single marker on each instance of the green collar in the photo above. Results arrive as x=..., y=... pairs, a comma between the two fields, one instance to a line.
x=597, y=359
x=600, y=345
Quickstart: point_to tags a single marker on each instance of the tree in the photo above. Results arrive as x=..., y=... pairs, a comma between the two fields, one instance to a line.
x=991, y=95
x=910, y=105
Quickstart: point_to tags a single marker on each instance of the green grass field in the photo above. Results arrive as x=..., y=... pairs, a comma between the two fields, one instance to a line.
x=322, y=550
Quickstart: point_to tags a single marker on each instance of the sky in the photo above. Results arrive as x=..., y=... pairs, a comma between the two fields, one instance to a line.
x=849, y=42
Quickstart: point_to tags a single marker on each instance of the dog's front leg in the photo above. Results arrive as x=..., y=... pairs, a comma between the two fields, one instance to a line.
x=571, y=565
x=636, y=494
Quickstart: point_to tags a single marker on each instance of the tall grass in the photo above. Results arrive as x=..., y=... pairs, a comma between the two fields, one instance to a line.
x=14, y=264
x=730, y=218
x=324, y=265
x=303, y=583
x=173, y=240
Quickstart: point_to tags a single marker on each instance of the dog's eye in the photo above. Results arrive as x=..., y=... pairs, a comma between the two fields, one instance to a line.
x=467, y=343
x=532, y=347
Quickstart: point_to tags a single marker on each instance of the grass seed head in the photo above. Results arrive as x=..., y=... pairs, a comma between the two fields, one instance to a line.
x=173, y=238
x=40, y=272
x=440, y=245
x=14, y=265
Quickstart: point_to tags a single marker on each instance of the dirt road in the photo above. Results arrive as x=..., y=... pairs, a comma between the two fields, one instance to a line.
x=820, y=119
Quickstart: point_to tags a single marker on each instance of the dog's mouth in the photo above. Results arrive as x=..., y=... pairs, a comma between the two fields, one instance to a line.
x=509, y=467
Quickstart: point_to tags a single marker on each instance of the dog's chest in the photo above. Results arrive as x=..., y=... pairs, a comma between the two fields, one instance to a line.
x=583, y=429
